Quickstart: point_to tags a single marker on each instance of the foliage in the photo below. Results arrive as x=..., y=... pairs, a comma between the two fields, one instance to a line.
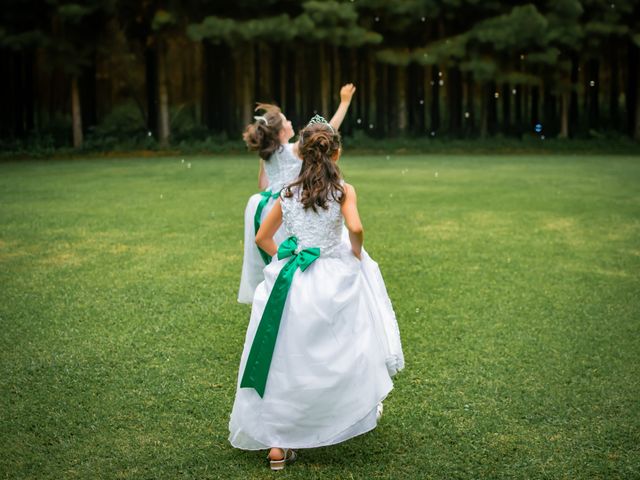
x=332, y=22
x=536, y=45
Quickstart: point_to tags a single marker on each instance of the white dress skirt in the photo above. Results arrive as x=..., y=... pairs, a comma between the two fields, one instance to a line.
x=327, y=374
x=252, y=262
x=383, y=315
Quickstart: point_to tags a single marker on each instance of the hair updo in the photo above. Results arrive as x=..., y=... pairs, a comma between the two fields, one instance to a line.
x=263, y=134
x=319, y=176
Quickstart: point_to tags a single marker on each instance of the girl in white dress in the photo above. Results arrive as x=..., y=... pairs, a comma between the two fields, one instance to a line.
x=314, y=367
x=269, y=135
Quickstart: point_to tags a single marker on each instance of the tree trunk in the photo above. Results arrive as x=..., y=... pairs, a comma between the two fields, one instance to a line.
x=574, y=119
x=372, y=113
x=6, y=94
x=401, y=86
x=594, y=89
x=492, y=114
x=245, y=83
x=435, y=99
x=469, y=114
x=518, y=109
x=198, y=75
x=631, y=91
x=526, y=108
x=361, y=93
x=564, y=115
x=549, y=105
x=337, y=69
x=426, y=88
x=382, y=127
x=325, y=81
x=17, y=94
x=163, y=98
x=297, y=80
x=87, y=87
x=282, y=84
x=416, y=99
x=535, y=104
x=636, y=131
x=356, y=107
x=265, y=88
x=484, y=110
x=30, y=92
x=506, y=108
x=614, y=91
x=151, y=83
x=76, y=113
x=207, y=79
x=455, y=100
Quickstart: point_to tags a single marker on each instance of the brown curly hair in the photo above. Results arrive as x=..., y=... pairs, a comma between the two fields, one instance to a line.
x=262, y=135
x=319, y=176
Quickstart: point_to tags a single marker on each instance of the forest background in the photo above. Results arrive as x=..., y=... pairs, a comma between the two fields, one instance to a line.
x=115, y=74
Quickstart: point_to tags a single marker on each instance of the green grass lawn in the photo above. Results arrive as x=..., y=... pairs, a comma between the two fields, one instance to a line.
x=515, y=280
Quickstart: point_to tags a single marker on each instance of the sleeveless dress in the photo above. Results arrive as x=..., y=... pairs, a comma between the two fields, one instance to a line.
x=282, y=168
x=328, y=371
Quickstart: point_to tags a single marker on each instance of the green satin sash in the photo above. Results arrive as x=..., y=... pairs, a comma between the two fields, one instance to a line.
x=259, y=360
x=266, y=195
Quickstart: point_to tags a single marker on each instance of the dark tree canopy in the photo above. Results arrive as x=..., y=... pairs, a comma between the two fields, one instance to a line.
x=174, y=71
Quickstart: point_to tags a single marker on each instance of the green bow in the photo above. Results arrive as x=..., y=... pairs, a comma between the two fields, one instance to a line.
x=257, y=368
x=266, y=195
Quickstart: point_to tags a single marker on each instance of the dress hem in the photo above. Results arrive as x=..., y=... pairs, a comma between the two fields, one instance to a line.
x=327, y=442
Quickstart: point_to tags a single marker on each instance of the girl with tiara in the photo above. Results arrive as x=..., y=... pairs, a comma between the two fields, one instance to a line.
x=269, y=135
x=314, y=368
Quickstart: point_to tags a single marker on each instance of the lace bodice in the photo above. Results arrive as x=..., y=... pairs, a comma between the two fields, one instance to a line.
x=322, y=229
x=282, y=168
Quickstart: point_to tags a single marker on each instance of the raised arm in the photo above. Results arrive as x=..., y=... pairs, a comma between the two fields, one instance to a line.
x=263, y=180
x=346, y=93
x=352, y=219
x=268, y=228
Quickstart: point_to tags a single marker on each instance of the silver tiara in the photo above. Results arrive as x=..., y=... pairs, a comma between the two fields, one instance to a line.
x=320, y=119
x=261, y=118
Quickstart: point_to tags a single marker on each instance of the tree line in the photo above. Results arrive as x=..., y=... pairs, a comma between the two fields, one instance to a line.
x=459, y=68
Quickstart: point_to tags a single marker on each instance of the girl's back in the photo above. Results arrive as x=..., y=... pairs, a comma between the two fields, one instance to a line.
x=282, y=167
x=321, y=228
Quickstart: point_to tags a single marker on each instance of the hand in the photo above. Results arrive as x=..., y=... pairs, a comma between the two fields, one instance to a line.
x=346, y=92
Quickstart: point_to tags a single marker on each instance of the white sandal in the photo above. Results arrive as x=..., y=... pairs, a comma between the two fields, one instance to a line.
x=289, y=457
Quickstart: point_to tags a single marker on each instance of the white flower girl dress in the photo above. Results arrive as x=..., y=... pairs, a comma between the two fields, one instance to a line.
x=282, y=168
x=317, y=360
